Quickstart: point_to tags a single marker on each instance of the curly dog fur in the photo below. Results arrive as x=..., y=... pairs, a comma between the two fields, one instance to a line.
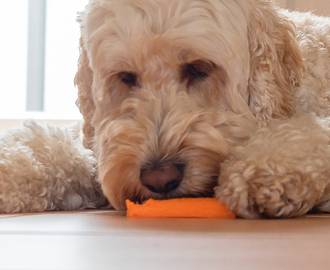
x=207, y=98
x=46, y=168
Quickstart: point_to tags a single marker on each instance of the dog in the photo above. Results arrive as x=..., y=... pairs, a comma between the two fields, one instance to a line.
x=199, y=98
x=208, y=98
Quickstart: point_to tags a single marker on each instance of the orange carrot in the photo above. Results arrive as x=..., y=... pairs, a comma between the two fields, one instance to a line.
x=184, y=208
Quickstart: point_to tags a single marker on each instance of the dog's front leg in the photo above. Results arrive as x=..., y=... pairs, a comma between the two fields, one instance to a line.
x=281, y=171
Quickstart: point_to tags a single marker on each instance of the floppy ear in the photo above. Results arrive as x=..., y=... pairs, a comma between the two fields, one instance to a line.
x=84, y=81
x=276, y=63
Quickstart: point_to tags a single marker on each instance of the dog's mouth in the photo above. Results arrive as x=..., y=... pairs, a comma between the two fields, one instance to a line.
x=142, y=199
x=199, y=191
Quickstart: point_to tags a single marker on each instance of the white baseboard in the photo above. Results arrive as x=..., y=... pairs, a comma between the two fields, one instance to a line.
x=15, y=121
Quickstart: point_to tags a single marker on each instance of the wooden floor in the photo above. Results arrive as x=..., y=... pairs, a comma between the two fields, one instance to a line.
x=109, y=240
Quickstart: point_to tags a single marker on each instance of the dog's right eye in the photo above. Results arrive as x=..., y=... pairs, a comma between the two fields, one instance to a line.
x=128, y=78
x=196, y=71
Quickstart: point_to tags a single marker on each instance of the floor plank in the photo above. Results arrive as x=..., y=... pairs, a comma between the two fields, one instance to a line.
x=109, y=240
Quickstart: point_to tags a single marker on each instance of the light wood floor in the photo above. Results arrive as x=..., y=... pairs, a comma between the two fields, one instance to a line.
x=109, y=240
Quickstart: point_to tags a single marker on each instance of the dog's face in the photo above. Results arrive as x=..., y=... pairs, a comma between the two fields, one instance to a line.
x=169, y=93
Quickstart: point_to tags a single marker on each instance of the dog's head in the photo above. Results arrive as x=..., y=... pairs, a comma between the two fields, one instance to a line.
x=167, y=87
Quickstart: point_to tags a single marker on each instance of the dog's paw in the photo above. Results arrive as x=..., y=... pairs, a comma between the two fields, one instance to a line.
x=234, y=190
x=254, y=190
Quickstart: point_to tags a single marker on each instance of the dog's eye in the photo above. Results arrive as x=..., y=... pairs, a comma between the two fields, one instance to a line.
x=195, y=71
x=128, y=78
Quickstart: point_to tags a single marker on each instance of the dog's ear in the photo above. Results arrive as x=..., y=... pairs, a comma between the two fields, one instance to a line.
x=276, y=63
x=84, y=81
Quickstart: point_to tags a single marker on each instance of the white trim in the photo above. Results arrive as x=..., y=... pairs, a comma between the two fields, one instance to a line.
x=15, y=121
x=36, y=56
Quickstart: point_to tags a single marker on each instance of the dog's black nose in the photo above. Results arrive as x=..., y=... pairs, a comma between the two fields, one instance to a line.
x=162, y=179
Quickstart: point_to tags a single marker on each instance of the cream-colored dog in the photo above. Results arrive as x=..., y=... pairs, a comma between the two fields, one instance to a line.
x=181, y=97
x=191, y=98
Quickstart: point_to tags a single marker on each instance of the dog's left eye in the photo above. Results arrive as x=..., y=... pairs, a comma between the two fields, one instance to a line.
x=196, y=71
x=128, y=78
